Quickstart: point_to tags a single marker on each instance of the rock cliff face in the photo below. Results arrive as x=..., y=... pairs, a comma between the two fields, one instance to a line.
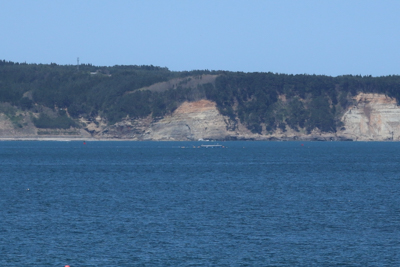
x=190, y=121
x=194, y=121
x=375, y=117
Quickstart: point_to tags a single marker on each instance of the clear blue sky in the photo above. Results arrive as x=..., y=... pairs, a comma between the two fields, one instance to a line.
x=284, y=36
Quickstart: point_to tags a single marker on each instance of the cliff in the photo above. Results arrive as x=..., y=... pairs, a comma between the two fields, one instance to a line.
x=153, y=103
x=373, y=117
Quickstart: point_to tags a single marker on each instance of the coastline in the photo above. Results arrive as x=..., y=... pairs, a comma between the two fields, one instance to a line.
x=65, y=139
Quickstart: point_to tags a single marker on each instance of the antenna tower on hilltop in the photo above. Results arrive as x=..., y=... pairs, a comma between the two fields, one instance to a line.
x=77, y=63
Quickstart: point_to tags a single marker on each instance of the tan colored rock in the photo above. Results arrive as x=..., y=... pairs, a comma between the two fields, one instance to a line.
x=194, y=121
x=22, y=126
x=94, y=126
x=375, y=117
x=6, y=126
x=190, y=121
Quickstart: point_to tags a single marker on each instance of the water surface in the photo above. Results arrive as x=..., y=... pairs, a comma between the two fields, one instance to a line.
x=156, y=203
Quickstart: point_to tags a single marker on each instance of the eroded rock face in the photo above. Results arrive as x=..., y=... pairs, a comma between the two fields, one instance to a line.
x=19, y=128
x=195, y=121
x=191, y=121
x=375, y=117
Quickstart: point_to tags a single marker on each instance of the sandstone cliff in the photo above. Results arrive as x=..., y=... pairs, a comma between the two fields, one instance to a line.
x=190, y=121
x=373, y=117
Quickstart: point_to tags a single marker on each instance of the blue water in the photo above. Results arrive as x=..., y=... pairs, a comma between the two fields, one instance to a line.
x=157, y=204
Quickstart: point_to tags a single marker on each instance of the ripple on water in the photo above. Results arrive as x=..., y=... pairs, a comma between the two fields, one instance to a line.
x=151, y=203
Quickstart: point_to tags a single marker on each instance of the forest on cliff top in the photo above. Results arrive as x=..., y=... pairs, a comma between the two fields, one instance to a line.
x=257, y=100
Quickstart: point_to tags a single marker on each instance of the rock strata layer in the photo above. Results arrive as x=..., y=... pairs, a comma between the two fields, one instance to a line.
x=190, y=121
x=373, y=117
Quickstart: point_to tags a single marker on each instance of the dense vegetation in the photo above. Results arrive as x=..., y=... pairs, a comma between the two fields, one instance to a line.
x=301, y=102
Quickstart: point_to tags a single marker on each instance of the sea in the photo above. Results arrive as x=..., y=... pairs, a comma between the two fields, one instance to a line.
x=176, y=204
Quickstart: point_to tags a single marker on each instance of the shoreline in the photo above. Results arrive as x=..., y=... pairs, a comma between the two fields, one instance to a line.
x=60, y=139
x=81, y=139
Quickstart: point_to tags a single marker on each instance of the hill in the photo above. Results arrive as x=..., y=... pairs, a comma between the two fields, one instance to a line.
x=54, y=100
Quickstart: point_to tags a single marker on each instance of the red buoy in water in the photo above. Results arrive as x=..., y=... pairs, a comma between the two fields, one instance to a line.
x=302, y=145
x=66, y=266
x=84, y=142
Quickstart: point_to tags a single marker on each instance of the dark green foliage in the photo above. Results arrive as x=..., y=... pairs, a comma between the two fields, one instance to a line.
x=321, y=115
x=60, y=122
x=136, y=105
x=256, y=99
x=282, y=126
x=10, y=93
x=255, y=96
x=343, y=99
x=298, y=115
x=25, y=103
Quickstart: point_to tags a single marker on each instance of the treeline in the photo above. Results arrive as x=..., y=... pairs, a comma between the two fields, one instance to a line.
x=258, y=100
x=89, y=91
x=297, y=101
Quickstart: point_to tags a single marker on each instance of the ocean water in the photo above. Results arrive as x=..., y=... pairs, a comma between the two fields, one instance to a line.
x=158, y=204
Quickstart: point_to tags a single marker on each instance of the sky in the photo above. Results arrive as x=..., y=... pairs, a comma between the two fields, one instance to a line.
x=337, y=37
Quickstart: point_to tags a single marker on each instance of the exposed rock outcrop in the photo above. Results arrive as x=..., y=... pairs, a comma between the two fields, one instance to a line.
x=190, y=121
x=195, y=121
x=375, y=117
